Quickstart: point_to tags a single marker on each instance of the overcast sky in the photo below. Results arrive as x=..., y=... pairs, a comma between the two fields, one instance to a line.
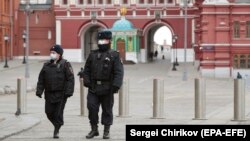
x=163, y=33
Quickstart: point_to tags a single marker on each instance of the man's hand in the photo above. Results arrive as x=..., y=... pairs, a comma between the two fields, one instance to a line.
x=39, y=95
x=115, y=89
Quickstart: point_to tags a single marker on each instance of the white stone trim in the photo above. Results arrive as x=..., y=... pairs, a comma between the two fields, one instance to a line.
x=58, y=32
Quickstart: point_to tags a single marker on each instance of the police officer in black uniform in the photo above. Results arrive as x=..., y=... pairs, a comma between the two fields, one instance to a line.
x=56, y=80
x=103, y=75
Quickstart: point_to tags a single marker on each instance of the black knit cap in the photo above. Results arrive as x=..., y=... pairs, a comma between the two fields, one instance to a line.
x=58, y=49
x=104, y=35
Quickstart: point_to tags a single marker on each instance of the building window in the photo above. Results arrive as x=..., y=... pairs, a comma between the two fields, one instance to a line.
x=64, y=2
x=6, y=6
x=141, y=1
x=161, y=1
x=236, y=61
x=248, y=61
x=100, y=1
x=109, y=1
x=241, y=61
x=89, y=1
x=170, y=1
x=80, y=1
x=125, y=1
x=150, y=1
x=248, y=29
x=236, y=29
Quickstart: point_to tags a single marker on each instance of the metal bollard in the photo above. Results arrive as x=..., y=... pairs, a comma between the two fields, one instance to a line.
x=21, y=96
x=239, y=99
x=200, y=98
x=124, y=99
x=158, y=98
x=83, y=100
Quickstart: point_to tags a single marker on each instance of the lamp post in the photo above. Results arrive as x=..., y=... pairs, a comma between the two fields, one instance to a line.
x=27, y=11
x=185, y=4
x=24, y=46
x=173, y=45
x=176, y=60
x=6, y=39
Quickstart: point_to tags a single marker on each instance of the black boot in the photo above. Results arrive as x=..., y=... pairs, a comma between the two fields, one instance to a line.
x=94, y=132
x=56, y=131
x=106, y=132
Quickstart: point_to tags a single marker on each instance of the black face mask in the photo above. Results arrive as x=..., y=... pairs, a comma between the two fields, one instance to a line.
x=104, y=47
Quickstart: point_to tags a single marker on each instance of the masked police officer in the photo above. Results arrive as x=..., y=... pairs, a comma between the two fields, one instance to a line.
x=103, y=75
x=56, y=80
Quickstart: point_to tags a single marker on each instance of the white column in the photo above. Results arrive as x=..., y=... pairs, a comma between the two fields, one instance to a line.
x=58, y=31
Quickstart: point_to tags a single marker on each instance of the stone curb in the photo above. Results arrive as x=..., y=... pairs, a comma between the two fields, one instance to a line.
x=13, y=90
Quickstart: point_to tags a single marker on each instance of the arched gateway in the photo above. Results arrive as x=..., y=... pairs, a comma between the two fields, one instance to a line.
x=76, y=30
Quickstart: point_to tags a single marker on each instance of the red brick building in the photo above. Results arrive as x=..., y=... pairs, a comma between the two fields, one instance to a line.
x=77, y=22
x=7, y=8
x=41, y=28
x=222, y=44
x=218, y=31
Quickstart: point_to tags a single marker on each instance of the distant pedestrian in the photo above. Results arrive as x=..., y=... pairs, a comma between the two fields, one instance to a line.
x=161, y=48
x=156, y=53
x=56, y=80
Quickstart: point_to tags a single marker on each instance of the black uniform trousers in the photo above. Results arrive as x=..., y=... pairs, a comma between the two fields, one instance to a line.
x=54, y=111
x=93, y=103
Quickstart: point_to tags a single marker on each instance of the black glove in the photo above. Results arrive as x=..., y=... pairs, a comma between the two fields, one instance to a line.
x=115, y=89
x=88, y=85
x=39, y=95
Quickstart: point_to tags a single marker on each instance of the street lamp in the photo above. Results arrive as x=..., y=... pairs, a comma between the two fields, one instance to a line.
x=176, y=60
x=27, y=11
x=173, y=45
x=24, y=46
x=6, y=39
x=185, y=4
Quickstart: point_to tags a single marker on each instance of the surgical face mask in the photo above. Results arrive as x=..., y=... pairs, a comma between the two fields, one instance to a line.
x=103, y=44
x=53, y=56
x=103, y=41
